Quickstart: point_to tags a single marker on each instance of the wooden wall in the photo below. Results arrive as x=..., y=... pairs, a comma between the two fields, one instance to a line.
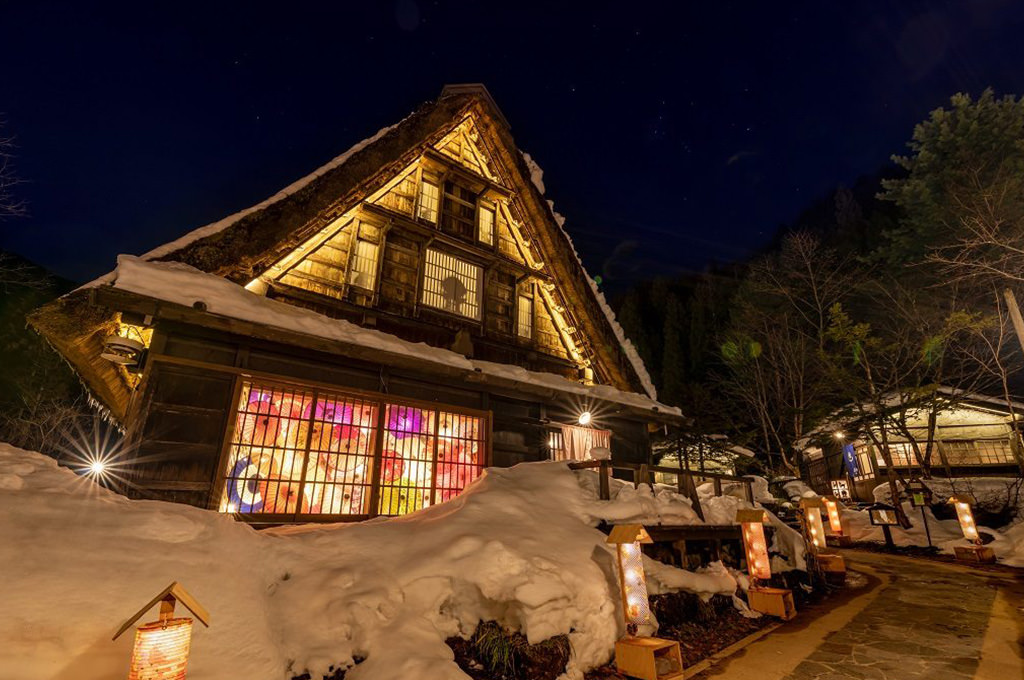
x=180, y=421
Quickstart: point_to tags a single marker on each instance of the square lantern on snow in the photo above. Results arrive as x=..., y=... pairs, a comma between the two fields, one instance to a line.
x=975, y=553
x=838, y=537
x=632, y=581
x=813, y=526
x=754, y=544
x=162, y=647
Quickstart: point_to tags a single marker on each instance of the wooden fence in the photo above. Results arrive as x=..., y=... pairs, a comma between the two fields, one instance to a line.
x=686, y=480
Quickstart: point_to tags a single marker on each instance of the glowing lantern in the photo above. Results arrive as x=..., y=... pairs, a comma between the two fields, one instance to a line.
x=762, y=598
x=813, y=524
x=627, y=539
x=973, y=553
x=162, y=646
x=754, y=543
x=835, y=522
x=966, y=518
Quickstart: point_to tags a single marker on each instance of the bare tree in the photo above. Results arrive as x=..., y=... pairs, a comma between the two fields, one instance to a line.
x=778, y=336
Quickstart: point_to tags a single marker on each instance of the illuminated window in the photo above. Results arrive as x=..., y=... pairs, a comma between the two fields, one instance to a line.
x=430, y=198
x=451, y=284
x=556, y=445
x=486, y=224
x=902, y=455
x=978, y=452
x=575, y=442
x=864, y=463
x=362, y=267
x=524, y=326
x=302, y=451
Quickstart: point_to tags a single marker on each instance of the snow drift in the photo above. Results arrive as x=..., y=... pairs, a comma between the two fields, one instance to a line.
x=518, y=546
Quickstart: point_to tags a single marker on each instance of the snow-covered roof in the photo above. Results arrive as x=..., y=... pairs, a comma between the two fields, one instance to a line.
x=852, y=413
x=181, y=284
x=537, y=177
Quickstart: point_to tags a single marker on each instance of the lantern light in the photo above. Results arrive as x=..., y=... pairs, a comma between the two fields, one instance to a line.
x=835, y=522
x=977, y=552
x=161, y=647
x=761, y=598
x=754, y=543
x=966, y=518
x=838, y=434
x=812, y=522
x=627, y=539
x=585, y=418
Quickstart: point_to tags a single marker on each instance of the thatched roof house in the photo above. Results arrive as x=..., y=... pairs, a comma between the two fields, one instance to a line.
x=422, y=271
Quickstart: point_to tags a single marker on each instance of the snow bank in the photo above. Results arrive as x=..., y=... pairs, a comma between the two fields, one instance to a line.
x=181, y=284
x=945, y=534
x=518, y=546
x=537, y=178
x=993, y=494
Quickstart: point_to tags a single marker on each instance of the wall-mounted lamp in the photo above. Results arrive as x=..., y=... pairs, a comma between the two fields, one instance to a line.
x=585, y=418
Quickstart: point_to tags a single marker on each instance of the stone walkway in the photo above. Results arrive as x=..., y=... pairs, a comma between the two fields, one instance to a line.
x=929, y=622
x=916, y=619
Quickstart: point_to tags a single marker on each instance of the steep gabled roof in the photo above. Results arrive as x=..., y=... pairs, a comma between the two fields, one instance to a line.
x=242, y=246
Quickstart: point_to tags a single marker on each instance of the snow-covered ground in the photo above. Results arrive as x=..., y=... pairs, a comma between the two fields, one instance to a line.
x=518, y=546
x=1008, y=541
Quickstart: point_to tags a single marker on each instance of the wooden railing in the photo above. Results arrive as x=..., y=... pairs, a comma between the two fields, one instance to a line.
x=644, y=474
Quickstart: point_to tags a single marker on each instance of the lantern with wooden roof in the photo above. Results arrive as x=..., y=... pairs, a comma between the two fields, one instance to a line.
x=762, y=598
x=162, y=647
x=976, y=552
x=632, y=581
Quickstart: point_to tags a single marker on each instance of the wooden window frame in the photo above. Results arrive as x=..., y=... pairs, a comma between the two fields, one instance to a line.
x=480, y=283
x=380, y=401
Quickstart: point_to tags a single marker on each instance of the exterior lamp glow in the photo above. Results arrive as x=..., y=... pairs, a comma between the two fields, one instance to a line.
x=585, y=418
x=812, y=523
x=761, y=598
x=632, y=581
x=976, y=552
x=649, y=658
x=838, y=434
x=835, y=522
x=965, y=516
x=754, y=544
x=162, y=647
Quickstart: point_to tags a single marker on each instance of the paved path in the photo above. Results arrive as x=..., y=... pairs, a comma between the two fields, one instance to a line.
x=909, y=619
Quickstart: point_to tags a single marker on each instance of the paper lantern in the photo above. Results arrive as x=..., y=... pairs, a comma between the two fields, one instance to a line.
x=755, y=544
x=965, y=516
x=161, y=650
x=162, y=647
x=632, y=581
x=835, y=522
x=812, y=523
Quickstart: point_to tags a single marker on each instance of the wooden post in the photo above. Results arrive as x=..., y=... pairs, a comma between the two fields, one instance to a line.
x=718, y=485
x=603, y=485
x=748, y=491
x=687, y=488
x=641, y=477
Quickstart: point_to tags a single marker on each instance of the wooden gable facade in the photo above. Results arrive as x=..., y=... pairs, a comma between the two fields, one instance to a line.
x=364, y=343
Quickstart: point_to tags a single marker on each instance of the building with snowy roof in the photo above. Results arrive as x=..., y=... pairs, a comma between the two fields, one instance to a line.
x=365, y=341
x=952, y=433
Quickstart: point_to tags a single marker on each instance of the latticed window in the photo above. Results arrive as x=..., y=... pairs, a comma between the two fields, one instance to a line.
x=303, y=451
x=524, y=317
x=556, y=445
x=362, y=266
x=430, y=200
x=978, y=452
x=458, y=213
x=451, y=284
x=902, y=455
x=864, y=462
x=485, y=231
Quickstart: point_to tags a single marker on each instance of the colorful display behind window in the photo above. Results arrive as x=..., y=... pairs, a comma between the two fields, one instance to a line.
x=303, y=451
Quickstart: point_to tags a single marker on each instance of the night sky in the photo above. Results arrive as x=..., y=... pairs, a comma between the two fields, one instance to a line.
x=669, y=137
